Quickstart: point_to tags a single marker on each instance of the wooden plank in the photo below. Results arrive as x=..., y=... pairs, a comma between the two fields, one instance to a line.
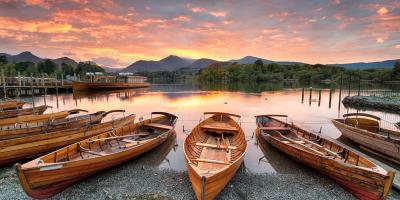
x=162, y=126
x=211, y=161
x=274, y=128
x=214, y=146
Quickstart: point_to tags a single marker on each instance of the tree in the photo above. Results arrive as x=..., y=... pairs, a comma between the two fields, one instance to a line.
x=48, y=67
x=23, y=66
x=3, y=60
x=67, y=69
x=84, y=67
x=395, y=74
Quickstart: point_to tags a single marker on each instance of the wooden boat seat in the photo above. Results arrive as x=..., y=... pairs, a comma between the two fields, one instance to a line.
x=94, y=153
x=219, y=127
x=211, y=161
x=214, y=146
x=162, y=126
x=274, y=128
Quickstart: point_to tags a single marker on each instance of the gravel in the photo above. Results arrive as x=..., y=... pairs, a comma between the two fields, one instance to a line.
x=135, y=180
x=378, y=103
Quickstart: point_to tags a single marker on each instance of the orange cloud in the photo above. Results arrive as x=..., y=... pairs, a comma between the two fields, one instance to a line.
x=218, y=13
x=34, y=26
x=382, y=11
x=181, y=18
x=198, y=9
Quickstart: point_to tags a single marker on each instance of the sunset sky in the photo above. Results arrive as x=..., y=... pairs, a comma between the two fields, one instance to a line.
x=117, y=33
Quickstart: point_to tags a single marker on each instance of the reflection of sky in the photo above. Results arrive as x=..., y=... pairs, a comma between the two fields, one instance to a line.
x=189, y=106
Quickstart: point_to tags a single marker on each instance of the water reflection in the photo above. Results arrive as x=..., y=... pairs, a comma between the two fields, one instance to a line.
x=188, y=102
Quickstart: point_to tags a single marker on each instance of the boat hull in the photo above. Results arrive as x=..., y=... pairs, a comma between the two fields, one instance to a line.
x=40, y=184
x=27, y=147
x=7, y=105
x=82, y=86
x=24, y=111
x=377, y=142
x=215, y=184
x=362, y=184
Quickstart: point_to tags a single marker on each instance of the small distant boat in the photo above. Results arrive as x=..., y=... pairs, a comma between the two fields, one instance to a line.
x=365, y=130
x=360, y=176
x=111, y=83
x=29, y=129
x=11, y=104
x=23, y=111
x=52, y=173
x=9, y=123
x=214, y=151
x=13, y=150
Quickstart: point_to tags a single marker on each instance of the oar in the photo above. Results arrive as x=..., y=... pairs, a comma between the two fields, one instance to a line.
x=76, y=111
x=112, y=111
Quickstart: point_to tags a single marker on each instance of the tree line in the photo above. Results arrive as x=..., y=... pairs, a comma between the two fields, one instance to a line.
x=260, y=72
x=47, y=68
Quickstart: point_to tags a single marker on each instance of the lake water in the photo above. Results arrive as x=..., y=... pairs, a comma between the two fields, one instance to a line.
x=189, y=101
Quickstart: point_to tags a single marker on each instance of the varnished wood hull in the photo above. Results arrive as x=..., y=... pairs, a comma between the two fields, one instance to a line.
x=57, y=125
x=27, y=147
x=216, y=178
x=7, y=105
x=363, y=184
x=34, y=118
x=215, y=184
x=81, y=86
x=23, y=111
x=40, y=184
x=374, y=141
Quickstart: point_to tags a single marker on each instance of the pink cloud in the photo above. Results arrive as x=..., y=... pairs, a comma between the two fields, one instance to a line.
x=219, y=13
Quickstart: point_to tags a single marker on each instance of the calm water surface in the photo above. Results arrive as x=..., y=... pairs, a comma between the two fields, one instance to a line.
x=189, y=102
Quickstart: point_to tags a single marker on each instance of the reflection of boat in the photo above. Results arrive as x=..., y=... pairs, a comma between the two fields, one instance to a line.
x=214, y=151
x=274, y=157
x=158, y=155
x=52, y=173
x=54, y=125
x=23, y=111
x=363, y=178
x=111, y=83
x=365, y=130
x=11, y=104
x=29, y=120
x=16, y=149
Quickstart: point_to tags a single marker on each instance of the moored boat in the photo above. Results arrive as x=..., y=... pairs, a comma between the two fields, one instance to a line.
x=214, y=151
x=23, y=111
x=11, y=104
x=360, y=176
x=52, y=173
x=365, y=130
x=9, y=123
x=29, y=129
x=111, y=83
x=16, y=149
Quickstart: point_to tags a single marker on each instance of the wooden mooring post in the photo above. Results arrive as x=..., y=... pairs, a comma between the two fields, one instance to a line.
x=330, y=98
x=319, y=97
x=309, y=100
x=302, y=95
x=349, y=88
x=340, y=90
x=4, y=83
x=359, y=86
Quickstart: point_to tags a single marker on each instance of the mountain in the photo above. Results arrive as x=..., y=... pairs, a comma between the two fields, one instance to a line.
x=251, y=60
x=65, y=60
x=202, y=63
x=169, y=63
x=362, y=65
x=25, y=56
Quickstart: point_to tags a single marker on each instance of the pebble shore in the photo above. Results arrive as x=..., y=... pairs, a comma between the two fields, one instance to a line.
x=138, y=180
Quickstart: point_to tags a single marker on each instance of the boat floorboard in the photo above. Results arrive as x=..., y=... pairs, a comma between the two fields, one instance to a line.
x=213, y=154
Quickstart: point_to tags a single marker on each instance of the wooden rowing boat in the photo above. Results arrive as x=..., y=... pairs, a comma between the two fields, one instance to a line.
x=11, y=104
x=214, y=151
x=360, y=176
x=27, y=147
x=29, y=129
x=52, y=173
x=4, y=123
x=84, y=86
x=23, y=111
x=365, y=130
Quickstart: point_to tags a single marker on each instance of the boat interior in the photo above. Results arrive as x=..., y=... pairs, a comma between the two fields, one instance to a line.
x=294, y=136
x=120, y=139
x=216, y=142
x=368, y=122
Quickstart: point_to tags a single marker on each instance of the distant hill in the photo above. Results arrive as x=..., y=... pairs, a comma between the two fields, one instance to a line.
x=111, y=69
x=25, y=56
x=65, y=60
x=202, y=63
x=169, y=63
x=362, y=65
x=250, y=60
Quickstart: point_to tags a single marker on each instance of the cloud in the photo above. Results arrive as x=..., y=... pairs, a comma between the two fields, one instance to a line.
x=397, y=46
x=380, y=40
x=382, y=11
x=218, y=13
x=198, y=9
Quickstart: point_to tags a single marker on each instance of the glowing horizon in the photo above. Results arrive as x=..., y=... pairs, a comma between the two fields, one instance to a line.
x=117, y=33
